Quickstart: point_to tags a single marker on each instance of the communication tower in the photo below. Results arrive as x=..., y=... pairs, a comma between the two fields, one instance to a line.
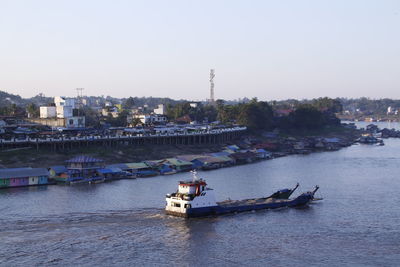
x=212, y=75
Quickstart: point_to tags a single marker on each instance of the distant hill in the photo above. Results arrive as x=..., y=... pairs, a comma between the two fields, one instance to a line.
x=7, y=99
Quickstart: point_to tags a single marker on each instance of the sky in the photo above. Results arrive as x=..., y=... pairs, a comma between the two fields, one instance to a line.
x=259, y=48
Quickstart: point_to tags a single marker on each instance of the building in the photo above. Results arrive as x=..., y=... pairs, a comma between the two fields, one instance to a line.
x=110, y=111
x=63, y=101
x=150, y=118
x=160, y=110
x=48, y=112
x=64, y=111
x=194, y=104
x=83, y=169
x=17, y=177
x=60, y=115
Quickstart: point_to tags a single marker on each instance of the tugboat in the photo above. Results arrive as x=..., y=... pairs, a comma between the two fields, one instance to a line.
x=195, y=199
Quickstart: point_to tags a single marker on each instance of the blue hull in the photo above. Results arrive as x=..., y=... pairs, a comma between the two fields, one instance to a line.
x=301, y=200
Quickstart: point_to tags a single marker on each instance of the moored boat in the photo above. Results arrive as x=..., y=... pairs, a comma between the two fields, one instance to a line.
x=195, y=199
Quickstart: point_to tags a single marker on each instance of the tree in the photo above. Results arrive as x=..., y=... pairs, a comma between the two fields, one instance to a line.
x=33, y=110
x=255, y=115
x=307, y=116
x=129, y=103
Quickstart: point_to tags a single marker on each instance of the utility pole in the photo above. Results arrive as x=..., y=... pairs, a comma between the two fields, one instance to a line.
x=79, y=99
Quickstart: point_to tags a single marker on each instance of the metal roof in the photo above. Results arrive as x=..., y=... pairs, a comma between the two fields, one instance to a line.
x=179, y=162
x=23, y=172
x=138, y=165
x=111, y=170
x=83, y=159
x=59, y=169
x=121, y=166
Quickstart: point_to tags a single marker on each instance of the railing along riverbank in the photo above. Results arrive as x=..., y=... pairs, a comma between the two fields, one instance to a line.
x=215, y=136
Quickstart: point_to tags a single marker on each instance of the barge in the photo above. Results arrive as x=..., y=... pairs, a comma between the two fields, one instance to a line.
x=195, y=199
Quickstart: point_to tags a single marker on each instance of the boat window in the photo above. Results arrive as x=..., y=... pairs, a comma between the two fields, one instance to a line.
x=188, y=206
x=176, y=204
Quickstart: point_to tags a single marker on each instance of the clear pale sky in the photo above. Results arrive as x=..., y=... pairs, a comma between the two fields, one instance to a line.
x=269, y=49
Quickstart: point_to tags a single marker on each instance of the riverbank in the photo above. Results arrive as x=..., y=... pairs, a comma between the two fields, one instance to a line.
x=279, y=144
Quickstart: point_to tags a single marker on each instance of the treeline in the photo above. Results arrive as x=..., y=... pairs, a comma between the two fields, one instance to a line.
x=262, y=115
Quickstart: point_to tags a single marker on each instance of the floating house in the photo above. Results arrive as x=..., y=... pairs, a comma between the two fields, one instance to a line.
x=84, y=169
x=244, y=157
x=233, y=148
x=139, y=169
x=193, y=159
x=163, y=167
x=211, y=162
x=58, y=173
x=179, y=165
x=262, y=153
x=110, y=174
x=16, y=177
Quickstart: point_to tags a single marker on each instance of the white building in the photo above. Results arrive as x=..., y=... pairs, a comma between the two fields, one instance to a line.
x=62, y=115
x=113, y=111
x=64, y=111
x=149, y=119
x=48, y=112
x=160, y=110
x=194, y=104
x=63, y=101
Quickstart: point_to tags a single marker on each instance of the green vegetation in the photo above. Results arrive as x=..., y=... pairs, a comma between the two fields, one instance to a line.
x=260, y=115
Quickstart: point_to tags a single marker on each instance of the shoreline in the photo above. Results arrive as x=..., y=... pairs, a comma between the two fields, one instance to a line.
x=277, y=145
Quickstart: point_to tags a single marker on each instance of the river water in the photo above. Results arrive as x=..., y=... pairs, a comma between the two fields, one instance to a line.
x=122, y=223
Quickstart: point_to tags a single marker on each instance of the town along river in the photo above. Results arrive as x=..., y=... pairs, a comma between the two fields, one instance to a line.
x=123, y=223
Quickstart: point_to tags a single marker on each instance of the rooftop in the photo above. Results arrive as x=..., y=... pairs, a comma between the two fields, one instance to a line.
x=23, y=172
x=83, y=159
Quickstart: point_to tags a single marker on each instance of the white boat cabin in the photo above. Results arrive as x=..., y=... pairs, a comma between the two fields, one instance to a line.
x=190, y=195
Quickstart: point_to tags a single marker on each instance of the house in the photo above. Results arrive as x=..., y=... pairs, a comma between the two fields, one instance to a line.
x=110, y=173
x=16, y=177
x=244, y=157
x=149, y=118
x=183, y=120
x=112, y=111
x=233, y=148
x=160, y=110
x=161, y=166
x=192, y=159
x=58, y=173
x=211, y=162
x=262, y=153
x=179, y=165
x=267, y=146
x=83, y=168
x=140, y=169
x=220, y=154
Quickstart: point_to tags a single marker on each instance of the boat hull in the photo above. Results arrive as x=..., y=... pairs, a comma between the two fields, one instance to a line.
x=240, y=207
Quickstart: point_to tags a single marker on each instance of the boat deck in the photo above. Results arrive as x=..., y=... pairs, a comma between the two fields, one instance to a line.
x=252, y=201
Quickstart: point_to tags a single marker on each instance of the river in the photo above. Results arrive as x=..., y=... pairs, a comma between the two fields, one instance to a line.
x=122, y=223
